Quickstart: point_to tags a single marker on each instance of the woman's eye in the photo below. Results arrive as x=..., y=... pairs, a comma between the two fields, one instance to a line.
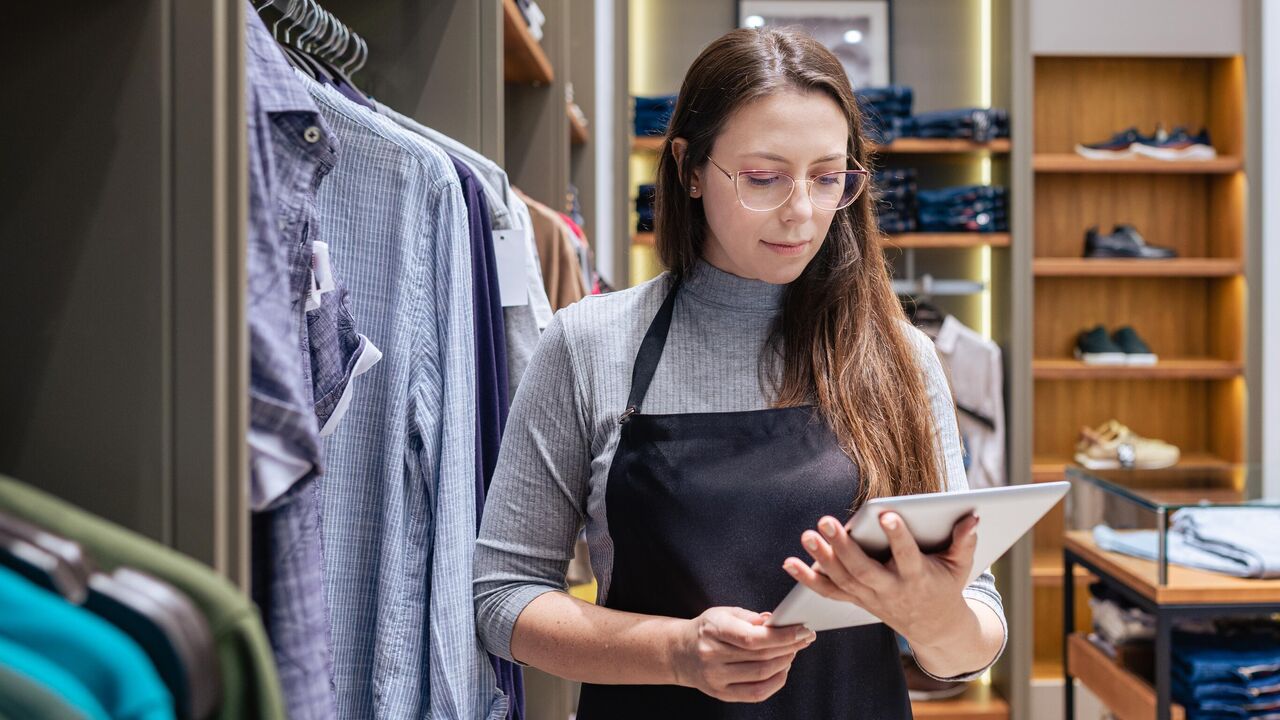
x=830, y=180
x=762, y=180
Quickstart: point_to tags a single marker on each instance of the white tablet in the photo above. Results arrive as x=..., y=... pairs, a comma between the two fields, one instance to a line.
x=1006, y=514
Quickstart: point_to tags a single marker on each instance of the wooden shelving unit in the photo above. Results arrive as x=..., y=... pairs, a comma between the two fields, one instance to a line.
x=644, y=238
x=979, y=702
x=903, y=146
x=932, y=146
x=1194, y=396
x=646, y=144
x=1164, y=369
x=928, y=241
x=1125, y=694
x=523, y=60
x=1072, y=163
x=1108, y=267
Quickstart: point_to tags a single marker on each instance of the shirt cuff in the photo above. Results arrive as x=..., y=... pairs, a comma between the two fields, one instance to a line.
x=986, y=598
x=496, y=620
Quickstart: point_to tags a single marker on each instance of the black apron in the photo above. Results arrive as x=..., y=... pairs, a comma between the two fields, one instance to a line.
x=702, y=509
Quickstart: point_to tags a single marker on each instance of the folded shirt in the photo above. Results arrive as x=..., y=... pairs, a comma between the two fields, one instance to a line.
x=1247, y=536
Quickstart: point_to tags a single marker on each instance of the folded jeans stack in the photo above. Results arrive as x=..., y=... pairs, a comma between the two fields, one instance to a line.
x=976, y=124
x=967, y=208
x=652, y=114
x=886, y=112
x=644, y=208
x=1239, y=541
x=1226, y=677
x=896, y=200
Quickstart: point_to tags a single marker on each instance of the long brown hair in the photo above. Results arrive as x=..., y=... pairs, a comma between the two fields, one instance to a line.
x=841, y=332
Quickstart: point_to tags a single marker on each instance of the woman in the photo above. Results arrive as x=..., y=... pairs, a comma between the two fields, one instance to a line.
x=703, y=423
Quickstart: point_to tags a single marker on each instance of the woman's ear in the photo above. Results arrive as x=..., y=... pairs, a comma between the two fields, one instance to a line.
x=680, y=148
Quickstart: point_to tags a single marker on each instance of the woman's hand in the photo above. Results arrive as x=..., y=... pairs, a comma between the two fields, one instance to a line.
x=918, y=595
x=729, y=654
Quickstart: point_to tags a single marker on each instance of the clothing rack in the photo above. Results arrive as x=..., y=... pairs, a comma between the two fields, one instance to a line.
x=323, y=34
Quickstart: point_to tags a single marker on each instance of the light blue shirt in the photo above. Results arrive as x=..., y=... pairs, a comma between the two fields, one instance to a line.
x=399, y=498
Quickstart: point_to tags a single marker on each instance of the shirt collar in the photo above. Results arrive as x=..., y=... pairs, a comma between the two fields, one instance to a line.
x=715, y=286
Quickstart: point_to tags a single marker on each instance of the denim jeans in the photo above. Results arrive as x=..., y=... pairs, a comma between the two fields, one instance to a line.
x=979, y=124
x=961, y=194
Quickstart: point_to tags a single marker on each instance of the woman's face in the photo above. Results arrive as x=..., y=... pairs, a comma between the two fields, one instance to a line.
x=801, y=134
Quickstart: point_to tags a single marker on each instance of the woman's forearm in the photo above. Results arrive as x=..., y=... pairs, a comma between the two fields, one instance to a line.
x=968, y=645
x=565, y=636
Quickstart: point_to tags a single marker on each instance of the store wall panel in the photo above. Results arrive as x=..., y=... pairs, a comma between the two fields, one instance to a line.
x=1184, y=28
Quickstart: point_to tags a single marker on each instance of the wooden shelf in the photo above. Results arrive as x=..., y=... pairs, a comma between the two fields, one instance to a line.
x=941, y=146
x=948, y=240
x=979, y=702
x=904, y=146
x=1046, y=569
x=1045, y=669
x=523, y=61
x=1111, y=267
x=1170, y=369
x=1051, y=469
x=1185, y=587
x=647, y=144
x=1072, y=163
x=644, y=238
x=1126, y=695
x=578, y=134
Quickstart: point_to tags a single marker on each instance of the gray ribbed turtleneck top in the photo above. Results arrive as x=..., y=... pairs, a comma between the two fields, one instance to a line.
x=563, y=427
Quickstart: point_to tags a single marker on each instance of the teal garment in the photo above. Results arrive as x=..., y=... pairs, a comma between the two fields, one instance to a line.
x=103, y=658
x=19, y=665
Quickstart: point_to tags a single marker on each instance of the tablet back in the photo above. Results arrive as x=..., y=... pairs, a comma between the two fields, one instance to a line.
x=1006, y=514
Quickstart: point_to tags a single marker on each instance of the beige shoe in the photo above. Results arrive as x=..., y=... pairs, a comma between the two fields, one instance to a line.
x=1112, y=446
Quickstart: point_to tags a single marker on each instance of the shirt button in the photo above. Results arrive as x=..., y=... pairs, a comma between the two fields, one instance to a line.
x=311, y=134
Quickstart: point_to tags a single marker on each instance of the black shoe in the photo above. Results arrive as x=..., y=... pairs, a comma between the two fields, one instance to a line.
x=1123, y=242
x=1136, y=352
x=1095, y=347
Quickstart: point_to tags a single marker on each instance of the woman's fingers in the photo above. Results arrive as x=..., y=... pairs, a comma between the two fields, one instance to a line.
x=906, y=553
x=964, y=540
x=839, y=552
x=757, y=691
x=736, y=629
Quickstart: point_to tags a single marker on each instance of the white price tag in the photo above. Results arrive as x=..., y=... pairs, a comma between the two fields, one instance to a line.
x=510, y=248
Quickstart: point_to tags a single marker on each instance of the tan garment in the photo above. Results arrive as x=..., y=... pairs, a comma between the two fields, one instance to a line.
x=561, y=272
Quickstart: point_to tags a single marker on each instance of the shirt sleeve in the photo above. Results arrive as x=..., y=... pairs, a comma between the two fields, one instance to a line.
x=946, y=439
x=537, y=498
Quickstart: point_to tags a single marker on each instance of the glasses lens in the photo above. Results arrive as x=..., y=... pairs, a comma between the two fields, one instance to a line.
x=833, y=191
x=763, y=190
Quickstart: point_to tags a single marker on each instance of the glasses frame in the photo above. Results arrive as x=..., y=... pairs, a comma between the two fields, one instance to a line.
x=733, y=176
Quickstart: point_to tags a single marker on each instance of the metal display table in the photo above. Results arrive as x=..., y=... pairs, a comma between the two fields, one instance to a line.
x=1167, y=592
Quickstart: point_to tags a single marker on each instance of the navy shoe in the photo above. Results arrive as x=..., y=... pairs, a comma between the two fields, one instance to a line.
x=1123, y=242
x=1136, y=352
x=1095, y=347
x=1178, y=145
x=1119, y=146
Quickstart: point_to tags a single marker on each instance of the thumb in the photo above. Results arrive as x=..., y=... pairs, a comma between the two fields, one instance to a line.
x=754, y=618
x=964, y=539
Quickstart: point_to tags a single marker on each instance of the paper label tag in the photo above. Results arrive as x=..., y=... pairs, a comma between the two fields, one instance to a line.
x=323, y=270
x=509, y=247
x=321, y=275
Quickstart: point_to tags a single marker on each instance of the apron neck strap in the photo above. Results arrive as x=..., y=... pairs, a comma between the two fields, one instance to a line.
x=650, y=353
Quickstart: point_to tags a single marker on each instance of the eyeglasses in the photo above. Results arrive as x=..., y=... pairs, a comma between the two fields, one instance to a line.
x=765, y=190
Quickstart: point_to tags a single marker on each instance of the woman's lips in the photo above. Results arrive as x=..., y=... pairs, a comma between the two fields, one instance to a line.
x=785, y=248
